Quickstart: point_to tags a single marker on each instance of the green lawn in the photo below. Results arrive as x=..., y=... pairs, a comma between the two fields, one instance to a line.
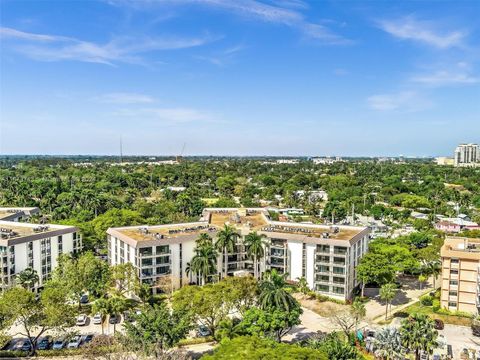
x=447, y=319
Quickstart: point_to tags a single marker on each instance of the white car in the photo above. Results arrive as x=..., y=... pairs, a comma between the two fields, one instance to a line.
x=82, y=320
x=75, y=342
x=97, y=319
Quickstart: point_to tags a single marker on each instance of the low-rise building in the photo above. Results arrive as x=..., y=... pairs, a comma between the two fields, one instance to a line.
x=326, y=256
x=17, y=213
x=460, y=274
x=24, y=245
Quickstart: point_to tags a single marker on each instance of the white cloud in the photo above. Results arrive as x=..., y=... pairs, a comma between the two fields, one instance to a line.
x=408, y=28
x=279, y=12
x=174, y=115
x=408, y=101
x=445, y=78
x=125, y=98
x=120, y=49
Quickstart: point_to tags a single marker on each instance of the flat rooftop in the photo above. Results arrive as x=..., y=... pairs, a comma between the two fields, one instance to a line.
x=160, y=232
x=461, y=247
x=250, y=219
x=15, y=232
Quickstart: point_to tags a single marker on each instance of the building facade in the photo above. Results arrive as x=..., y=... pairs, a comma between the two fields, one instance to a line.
x=24, y=245
x=467, y=155
x=460, y=274
x=325, y=255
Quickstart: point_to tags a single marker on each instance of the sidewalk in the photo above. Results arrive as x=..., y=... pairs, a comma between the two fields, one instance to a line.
x=409, y=294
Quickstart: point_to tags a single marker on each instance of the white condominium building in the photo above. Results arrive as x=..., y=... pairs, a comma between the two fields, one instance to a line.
x=24, y=245
x=467, y=155
x=325, y=255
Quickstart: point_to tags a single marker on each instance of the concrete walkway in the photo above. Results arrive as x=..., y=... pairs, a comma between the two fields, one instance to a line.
x=407, y=295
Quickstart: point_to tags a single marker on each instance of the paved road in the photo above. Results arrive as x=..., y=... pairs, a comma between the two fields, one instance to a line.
x=460, y=337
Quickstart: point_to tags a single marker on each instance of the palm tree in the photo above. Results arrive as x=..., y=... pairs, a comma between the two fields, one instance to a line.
x=418, y=333
x=27, y=278
x=255, y=246
x=102, y=307
x=273, y=292
x=203, y=240
x=204, y=263
x=387, y=293
x=116, y=305
x=226, y=240
x=388, y=344
x=302, y=284
x=358, y=311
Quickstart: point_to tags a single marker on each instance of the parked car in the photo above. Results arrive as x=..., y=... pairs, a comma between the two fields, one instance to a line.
x=113, y=319
x=75, y=342
x=203, y=331
x=87, y=339
x=44, y=343
x=82, y=320
x=58, y=344
x=27, y=346
x=97, y=319
x=438, y=324
x=84, y=299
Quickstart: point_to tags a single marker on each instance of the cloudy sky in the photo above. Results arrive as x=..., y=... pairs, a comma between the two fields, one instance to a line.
x=239, y=77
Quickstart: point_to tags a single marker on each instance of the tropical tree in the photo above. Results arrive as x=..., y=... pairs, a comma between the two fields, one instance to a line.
x=273, y=292
x=358, y=311
x=226, y=240
x=203, y=240
x=387, y=294
x=388, y=344
x=27, y=278
x=203, y=263
x=433, y=268
x=302, y=284
x=116, y=305
x=255, y=245
x=101, y=306
x=418, y=334
x=51, y=313
x=272, y=322
x=157, y=329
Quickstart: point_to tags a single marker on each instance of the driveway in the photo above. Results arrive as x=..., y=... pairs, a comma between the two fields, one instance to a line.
x=460, y=337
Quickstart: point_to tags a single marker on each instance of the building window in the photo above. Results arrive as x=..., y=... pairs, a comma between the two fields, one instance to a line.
x=163, y=260
x=454, y=271
x=338, y=290
x=324, y=288
x=453, y=261
x=162, y=270
x=323, y=259
x=162, y=249
x=452, y=304
x=340, y=250
x=323, y=248
x=146, y=251
x=453, y=282
x=323, y=269
x=338, y=280
x=338, y=270
x=60, y=245
x=147, y=262
x=339, y=261
x=323, y=278
x=452, y=293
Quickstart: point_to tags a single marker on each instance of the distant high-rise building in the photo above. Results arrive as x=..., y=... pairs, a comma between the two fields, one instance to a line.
x=467, y=155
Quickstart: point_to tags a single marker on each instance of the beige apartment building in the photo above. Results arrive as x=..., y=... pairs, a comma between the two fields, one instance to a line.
x=460, y=274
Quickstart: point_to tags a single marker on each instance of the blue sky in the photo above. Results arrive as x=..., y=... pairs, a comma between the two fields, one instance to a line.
x=239, y=77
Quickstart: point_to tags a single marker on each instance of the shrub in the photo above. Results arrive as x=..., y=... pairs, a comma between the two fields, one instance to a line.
x=401, y=314
x=426, y=300
x=436, y=305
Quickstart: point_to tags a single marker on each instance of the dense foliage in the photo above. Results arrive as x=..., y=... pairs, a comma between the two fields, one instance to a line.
x=99, y=195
